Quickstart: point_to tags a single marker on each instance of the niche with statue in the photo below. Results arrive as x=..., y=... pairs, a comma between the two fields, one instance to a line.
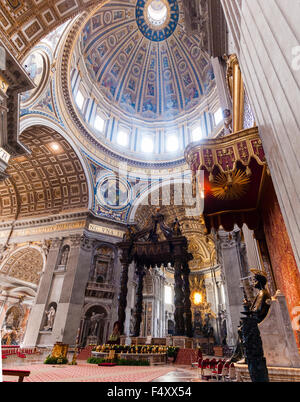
x=50, y=316
x=103, y=263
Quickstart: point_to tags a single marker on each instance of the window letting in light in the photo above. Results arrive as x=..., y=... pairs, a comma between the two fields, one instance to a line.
x=196, y=133
x=157, y=12
x=147, y=144
x=79, y=100
x=123, y=138
x=168, y=295
x=172, y=143
x=218, y=116
x=99, y=123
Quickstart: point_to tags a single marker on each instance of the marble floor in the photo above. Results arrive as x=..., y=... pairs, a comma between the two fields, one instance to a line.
x=181, y=374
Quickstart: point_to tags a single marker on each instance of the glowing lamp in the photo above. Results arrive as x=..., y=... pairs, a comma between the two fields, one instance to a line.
x=197, y=298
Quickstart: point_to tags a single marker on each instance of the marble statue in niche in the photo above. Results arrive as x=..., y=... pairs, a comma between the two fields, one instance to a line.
x=64, y=256
x=95, y=319
x=50, y=318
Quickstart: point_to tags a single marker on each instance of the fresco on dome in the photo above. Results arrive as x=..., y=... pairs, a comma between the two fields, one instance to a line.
x=109, y=86
x=45, y=104
x=128, y=102
x=149, y=108
x=34, y=65
x=53, y=37
x=145, y=76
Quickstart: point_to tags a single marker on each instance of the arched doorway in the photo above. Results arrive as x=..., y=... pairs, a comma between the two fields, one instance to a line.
x=94, y=326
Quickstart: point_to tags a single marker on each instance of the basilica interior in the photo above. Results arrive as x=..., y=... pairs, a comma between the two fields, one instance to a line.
x=149, y=165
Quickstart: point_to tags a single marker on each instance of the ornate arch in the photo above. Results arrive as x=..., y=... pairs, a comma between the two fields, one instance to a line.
x=89, y=306
x=25, y=263
x=48, y=180
x=25, y=23
x=29, y=121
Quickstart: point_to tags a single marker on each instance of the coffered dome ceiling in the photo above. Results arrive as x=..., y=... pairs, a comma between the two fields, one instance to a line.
x=142, y=62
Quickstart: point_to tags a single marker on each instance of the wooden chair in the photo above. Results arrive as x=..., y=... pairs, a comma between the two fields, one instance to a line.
x=18, y=373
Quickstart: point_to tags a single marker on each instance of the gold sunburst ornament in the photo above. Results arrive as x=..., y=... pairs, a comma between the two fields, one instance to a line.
x=231, y=185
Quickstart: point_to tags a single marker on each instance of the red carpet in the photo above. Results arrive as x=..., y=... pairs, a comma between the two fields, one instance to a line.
x=186, y=356
x=85, y=372
x=85, y=353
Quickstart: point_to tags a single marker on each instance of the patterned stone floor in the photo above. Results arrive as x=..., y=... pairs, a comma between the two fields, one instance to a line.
x=85, y=372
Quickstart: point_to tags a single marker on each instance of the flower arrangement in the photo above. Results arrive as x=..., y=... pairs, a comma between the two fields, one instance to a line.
x=119, y=362
x=172, y=351
x=55, y=360
x=138, y=349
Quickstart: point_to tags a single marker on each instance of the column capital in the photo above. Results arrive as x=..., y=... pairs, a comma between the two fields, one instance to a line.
x=56, y=242
x=227, y=239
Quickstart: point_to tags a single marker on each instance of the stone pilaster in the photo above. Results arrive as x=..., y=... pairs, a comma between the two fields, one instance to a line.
x=219, y=72
x=68, y=315
x=37, y=315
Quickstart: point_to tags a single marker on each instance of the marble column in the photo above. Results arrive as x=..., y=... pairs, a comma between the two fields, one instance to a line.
x=212, y=297
x=266, y=36
x=228, y=247
x=251, y=247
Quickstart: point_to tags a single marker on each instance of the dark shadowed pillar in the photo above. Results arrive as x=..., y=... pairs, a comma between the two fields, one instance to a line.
x=139, y=301
x=123, y=294
x=179, y=298
x=187, y=301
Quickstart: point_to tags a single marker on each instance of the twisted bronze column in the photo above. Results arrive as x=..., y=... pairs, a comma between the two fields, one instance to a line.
x=187, y=301
x=139, y=301
x=123, y=296
x=179, y=298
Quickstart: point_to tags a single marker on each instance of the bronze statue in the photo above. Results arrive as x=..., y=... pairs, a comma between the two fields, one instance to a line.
x=176, y=228
x=258, y=308
x=129, y=234
x=261, y=304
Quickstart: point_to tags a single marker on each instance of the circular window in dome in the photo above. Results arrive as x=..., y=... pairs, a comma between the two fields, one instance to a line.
x=157, y=12
x=157, y=19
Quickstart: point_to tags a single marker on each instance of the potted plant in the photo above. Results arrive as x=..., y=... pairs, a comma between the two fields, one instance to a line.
x=172, y=353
